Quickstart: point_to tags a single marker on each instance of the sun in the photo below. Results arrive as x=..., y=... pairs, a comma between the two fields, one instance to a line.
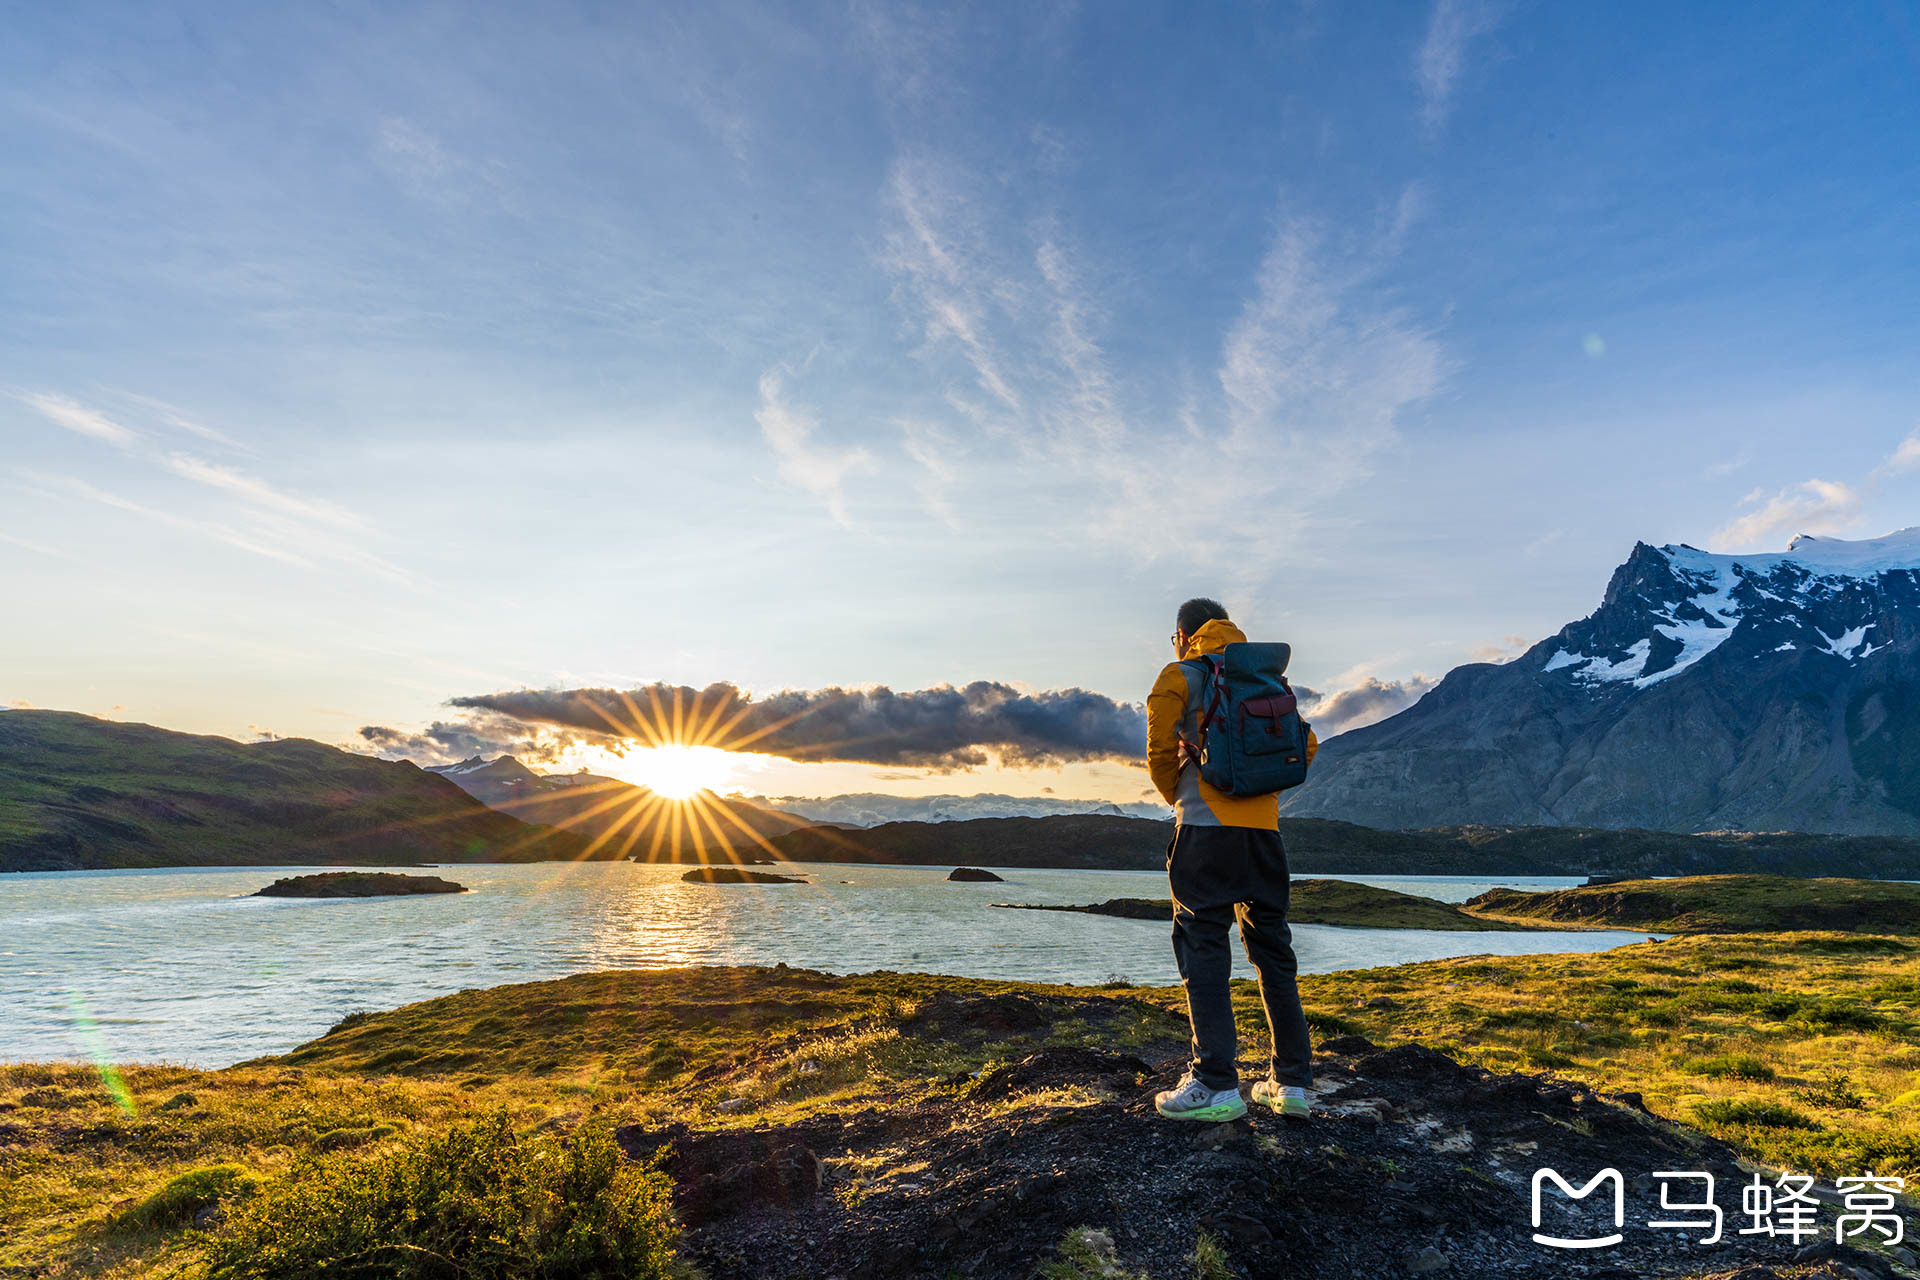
x=678, y=772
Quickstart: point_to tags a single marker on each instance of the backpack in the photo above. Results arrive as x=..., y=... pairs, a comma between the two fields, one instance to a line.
x=1252, y=739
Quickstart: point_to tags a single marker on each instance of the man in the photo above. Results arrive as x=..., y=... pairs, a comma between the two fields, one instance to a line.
x=1226, y=860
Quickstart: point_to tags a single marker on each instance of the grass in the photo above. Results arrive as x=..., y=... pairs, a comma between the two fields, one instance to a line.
x=1801, y=1055
x=645, y=1047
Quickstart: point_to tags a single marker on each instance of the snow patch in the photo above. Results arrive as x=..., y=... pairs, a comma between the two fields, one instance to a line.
x=1782, y=648
x=1564, y=659
x=1846, y=642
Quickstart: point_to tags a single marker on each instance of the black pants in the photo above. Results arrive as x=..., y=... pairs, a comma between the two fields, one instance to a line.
x=1218, y=873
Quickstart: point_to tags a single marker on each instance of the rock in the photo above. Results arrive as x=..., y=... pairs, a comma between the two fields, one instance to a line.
x=1378, y=1002
x=730, y=1104
x=972, y=873
x=1421, y=1261
x=357, y=884
x=209, y=1218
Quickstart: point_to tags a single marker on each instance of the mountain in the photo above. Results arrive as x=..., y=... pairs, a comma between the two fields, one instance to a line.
x=868, y=809
x=1743, y=692
x=1319, y=847
x=619, y=817
x=76, y=792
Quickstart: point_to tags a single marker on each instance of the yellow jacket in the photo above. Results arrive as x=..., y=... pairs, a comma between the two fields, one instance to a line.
x=1173, y=713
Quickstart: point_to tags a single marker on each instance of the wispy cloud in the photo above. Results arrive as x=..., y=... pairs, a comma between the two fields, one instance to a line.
x=1905, y=456
x=214, y=529
x=1316, y=368
x=258, y=492
x=1812, y=506
x=789, y=429
x=937, y=454
x=79, y=418
x=38, y=548
x=269, y=520
x=1442, y=57
x=177, y=418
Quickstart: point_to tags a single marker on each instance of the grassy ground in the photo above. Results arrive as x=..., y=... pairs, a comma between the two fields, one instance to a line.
x=1717, y=904
x=1802, y=1049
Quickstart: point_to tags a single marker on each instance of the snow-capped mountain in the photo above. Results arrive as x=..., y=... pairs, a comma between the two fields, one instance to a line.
x=1756, y=692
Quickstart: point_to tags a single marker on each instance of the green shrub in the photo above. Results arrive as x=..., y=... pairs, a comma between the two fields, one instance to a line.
x=1856, y=945
x=1729, y=1066
x=340, y=1139
x=1840, y=1015
x=1835, y=1091
x=479, y=1202
x=1741, y=1111
x=176, y=1203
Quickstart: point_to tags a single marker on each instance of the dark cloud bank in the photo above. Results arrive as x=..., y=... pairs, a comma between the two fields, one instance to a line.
x=945, y=728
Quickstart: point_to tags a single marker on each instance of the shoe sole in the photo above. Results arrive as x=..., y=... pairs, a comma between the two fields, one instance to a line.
x=1218, y=1115
x=1293, y=1108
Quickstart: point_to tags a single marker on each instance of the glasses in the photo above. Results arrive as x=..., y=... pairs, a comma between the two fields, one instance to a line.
x=1174, y=640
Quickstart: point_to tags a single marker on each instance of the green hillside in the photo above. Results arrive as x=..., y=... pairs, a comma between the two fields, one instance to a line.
x=78, y=793
x=1318, y=846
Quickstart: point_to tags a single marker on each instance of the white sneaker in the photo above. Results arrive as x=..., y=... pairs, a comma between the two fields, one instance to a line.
x=1192, y=1100
x=1287, y=1099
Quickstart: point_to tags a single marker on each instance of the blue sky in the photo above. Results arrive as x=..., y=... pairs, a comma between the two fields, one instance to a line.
x=356, y=358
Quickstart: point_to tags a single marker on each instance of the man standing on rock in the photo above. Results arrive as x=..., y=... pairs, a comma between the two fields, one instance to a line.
x=1226, y=860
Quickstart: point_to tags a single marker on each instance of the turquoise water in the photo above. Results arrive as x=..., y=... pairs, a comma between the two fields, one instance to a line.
x=183, y=966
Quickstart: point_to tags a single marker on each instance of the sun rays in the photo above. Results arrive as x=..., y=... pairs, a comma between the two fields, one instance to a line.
x=679, y=749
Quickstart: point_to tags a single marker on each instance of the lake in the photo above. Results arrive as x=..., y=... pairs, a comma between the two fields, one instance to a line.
x=181, y=965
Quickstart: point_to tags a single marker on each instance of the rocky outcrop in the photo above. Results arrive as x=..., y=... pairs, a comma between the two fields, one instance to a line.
x=974, y=874
x=1412, y=1163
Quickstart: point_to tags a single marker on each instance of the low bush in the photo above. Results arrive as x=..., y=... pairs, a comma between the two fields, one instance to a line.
x=1729, y=1066
x=477, y=1201
x=183, y=1197
x=1743, y=1111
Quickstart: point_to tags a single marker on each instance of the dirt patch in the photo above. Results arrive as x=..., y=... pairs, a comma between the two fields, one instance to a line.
x=1412, y=1164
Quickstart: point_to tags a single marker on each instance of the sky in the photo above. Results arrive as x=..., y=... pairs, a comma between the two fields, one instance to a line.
x=357, y=358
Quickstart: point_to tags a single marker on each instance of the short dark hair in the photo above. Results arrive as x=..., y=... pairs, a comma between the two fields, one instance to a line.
x=1199, y=611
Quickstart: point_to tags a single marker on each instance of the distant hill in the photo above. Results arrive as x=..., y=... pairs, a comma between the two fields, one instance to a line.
x=1321, y=846
x=623, y=818
x=1707, y=692
x=77, y=793
x=870, y=809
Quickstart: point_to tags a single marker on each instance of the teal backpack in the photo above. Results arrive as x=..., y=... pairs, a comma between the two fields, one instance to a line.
x=1252, y=739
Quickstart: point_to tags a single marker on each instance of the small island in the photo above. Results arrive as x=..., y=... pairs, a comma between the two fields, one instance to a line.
x=357, y=884
x=1335, y=902
x=736, y=875
x=1716, y=904
x=973, y=873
